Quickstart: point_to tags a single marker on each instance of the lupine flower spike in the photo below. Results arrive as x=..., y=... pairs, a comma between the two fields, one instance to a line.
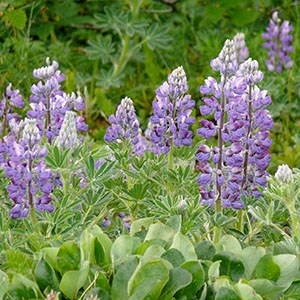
x=50, y=103
x=124, y=124
x=241, y=49
x=172, y=110
x=279, y=43
x=68, y=133
x=31, y=182
x=11, y=99
x=241, y=124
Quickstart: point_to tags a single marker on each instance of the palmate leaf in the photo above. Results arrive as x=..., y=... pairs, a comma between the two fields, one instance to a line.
x=111, y=19
x=101, y=47
x=157, y=37
x=120, y=21
x=106, y=79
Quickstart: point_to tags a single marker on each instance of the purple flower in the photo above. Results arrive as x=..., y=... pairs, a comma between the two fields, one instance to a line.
x=50, y=104
x=11, y=99
x=124, y=124
x=226, y=62
x=241, y=156
x=241, y=49
x=172, y=114
x=31, y=183
x=279, y=43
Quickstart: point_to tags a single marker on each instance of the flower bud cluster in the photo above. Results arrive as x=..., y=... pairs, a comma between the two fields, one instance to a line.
x=226, y=62
x=50, y=103
x=284, y=174
x=240, y=121
x=31, y=183
x=124, y=124
x=171, y=114
x=279, y=43
x=67, y=137
x=241, y=49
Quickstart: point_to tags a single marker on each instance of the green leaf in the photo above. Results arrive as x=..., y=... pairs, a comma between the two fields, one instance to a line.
x=4, y=284
x=225, y=293
x=45, y=276
x=73, y=281
x=179, y=278
x=162, y=231
x=16, y=18
x=100, y=48
x=50, y=256
x=250, y=257
x=185, y=246
x=243, y=16
x=229, y=243
x=99, y=292
x=293, y=291
x=124, y=272
x=24, y=288
x=104, y=240
x=214, y=270
x=289, y=268
x=145, y=245
x=205, y=250
x=153, y=252
x=140, y=224
x=195, y=268
x=246, y=292
x=267, y=268
x=148, y=281
x=87, y=245
x=265, y=287
x=174, y=256
x=230, y=265
x=175, y=222
x=157, y=37
x=123, y=247
x=68, y=257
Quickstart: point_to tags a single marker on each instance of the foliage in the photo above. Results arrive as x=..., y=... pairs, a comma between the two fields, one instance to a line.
x=161, y=263
x=127, y=226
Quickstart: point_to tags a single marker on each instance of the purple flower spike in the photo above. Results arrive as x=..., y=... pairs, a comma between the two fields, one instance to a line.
x=279, y=43
x=31, y=183
x=241, y=49
x=50, y=104
x=241, y=124
x=226, y=62
x=172, y=114
x=125, y=126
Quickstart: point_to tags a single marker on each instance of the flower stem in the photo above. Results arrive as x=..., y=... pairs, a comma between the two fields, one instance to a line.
x=294, y=220
x=170, y=156
x=34, y=220
x=249, y=135
x=217, y=230
x=240, y=223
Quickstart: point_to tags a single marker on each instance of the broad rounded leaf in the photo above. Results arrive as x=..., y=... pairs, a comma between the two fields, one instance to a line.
x=73, y=281
x=68, y=257
x=148, y=281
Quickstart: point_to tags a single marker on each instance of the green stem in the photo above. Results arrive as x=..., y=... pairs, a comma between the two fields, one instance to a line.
x=240, y=224
x=34, y=219
x=93, y=81
x=125, y=55
x=170, y=156
x=294, y=220
x=66, y=182
x=217, y=230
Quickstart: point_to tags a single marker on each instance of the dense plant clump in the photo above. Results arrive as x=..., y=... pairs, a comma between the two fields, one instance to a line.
x=174, y=202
